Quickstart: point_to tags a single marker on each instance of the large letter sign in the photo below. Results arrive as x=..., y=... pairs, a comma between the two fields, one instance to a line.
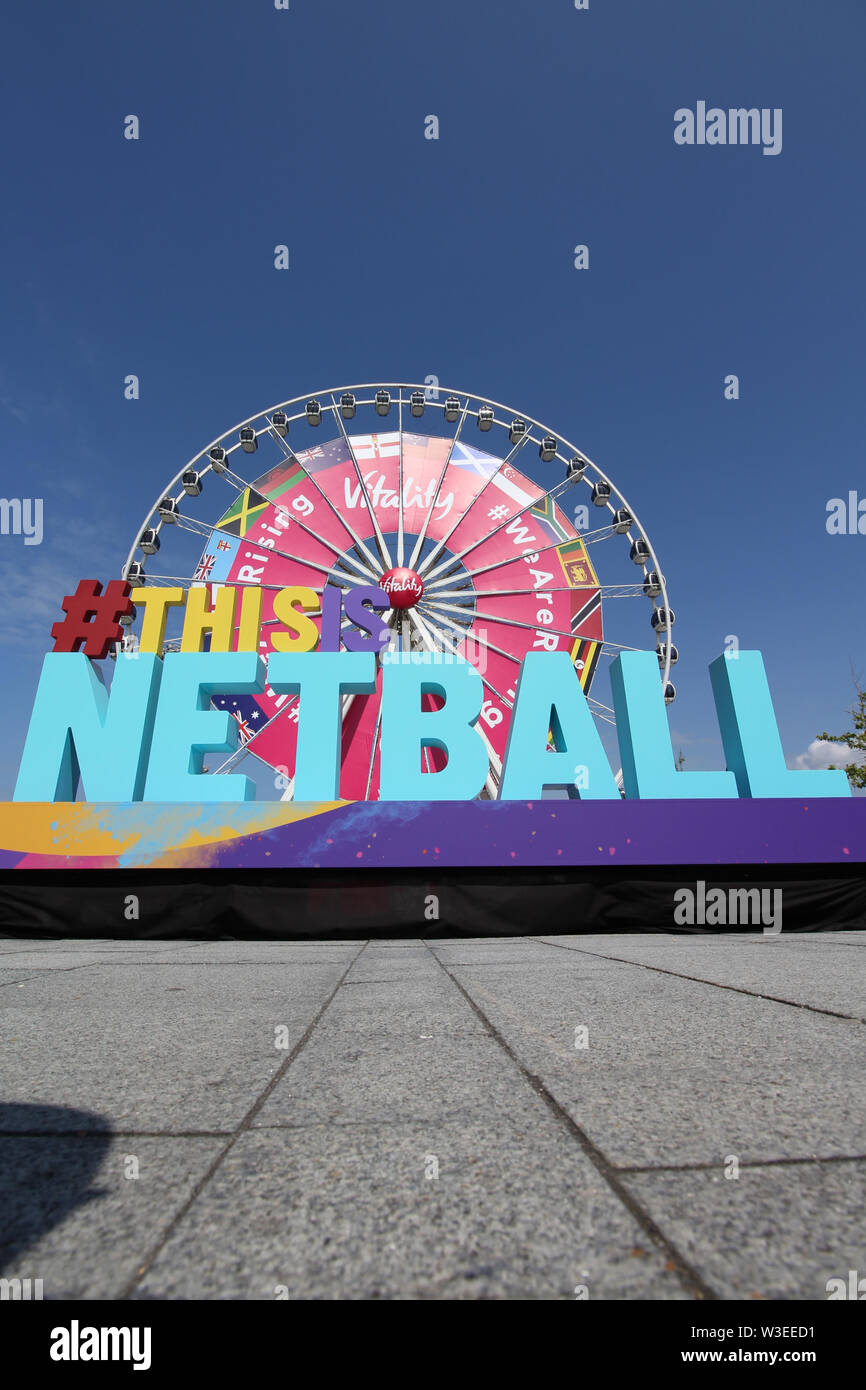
x=321, y=678
x=80, y=732
x=750, y=735
x=146, y=738
x=648, y=768
x=407, y=729
x=186, y=728
x=550, y=700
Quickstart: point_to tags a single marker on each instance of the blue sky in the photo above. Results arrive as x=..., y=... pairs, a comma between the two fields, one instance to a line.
x=454, y=257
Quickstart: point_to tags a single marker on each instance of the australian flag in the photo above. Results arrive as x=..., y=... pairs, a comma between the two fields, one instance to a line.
x=248, y=715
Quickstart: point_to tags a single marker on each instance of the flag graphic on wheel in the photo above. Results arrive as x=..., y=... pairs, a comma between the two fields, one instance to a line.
x=204, y=568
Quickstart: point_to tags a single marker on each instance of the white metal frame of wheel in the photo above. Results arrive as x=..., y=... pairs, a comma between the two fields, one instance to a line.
x=435, y=622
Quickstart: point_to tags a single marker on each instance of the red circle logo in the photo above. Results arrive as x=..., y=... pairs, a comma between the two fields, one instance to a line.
x=403, y=586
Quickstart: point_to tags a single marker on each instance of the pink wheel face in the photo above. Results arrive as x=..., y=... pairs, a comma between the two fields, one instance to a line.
x=479, y=559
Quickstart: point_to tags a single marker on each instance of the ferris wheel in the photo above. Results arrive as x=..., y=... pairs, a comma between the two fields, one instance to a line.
x=417, y=490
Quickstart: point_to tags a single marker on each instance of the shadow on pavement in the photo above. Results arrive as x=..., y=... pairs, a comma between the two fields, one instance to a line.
x=49, y=1156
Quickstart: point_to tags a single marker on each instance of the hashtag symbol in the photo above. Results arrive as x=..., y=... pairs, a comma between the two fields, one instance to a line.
x=497, y=513
x=93, y=617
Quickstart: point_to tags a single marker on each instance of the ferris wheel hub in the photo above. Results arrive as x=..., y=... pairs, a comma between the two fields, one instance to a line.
x=403, y=586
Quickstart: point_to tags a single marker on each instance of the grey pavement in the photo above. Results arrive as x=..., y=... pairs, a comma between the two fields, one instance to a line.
x=611, y=1117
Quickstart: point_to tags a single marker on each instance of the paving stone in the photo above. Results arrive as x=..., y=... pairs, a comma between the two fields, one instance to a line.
x=776, y=1232
x=161, y=1047
x=516, y=1212
x=677, y=1071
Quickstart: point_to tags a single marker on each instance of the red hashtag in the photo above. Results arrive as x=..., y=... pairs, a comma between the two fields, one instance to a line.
x=91, y=619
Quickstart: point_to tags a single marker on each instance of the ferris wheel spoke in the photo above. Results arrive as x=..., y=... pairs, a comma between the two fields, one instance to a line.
x=494, y=764
x=477, y=637
x=385, y=552
x=290, y=456
x=432, y=641
x=435, y=621
x=344, y=554
x=552, y=493
x=430, y=602
x=202, y=528
x=496, y=564
x=605, y=718
x=375, y=564
x=606, y=590
x=292, y=701
x=424, y=626
x=599, y=705
x=373, y=746
x=235, y=480
x=419, y=543
x=598, y=533
x=503, y=562
x=237, y=758
x=244, y=748
x=598, y=709
x=285, y=449
x=400, y=481
x=502, y=463
x=613, y=648
x=406, y=625
x=514, y=622
x=285, y=554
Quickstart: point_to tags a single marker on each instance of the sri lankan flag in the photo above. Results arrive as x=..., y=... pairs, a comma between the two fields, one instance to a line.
x=576, y=567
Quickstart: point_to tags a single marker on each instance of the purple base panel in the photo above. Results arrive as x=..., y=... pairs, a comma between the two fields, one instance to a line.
x=416, y=835
x=377, y=834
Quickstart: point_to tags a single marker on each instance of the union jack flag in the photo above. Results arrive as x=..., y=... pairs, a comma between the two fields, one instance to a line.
x=204, y=567
x=244, y=730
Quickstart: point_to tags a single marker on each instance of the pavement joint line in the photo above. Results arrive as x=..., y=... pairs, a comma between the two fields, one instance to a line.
x=688, y=1276
x=405, y=1036
x=443, y=1117
x=851, y=945
x=351, y=984
x=92, y=943
x=663, y=939
x=48, y=970
x=165, y=964
x=220, y=964
x=487, y=963
x=698, y=980
x=242, y=1128
x=115, y=1133
x=698, y=1167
